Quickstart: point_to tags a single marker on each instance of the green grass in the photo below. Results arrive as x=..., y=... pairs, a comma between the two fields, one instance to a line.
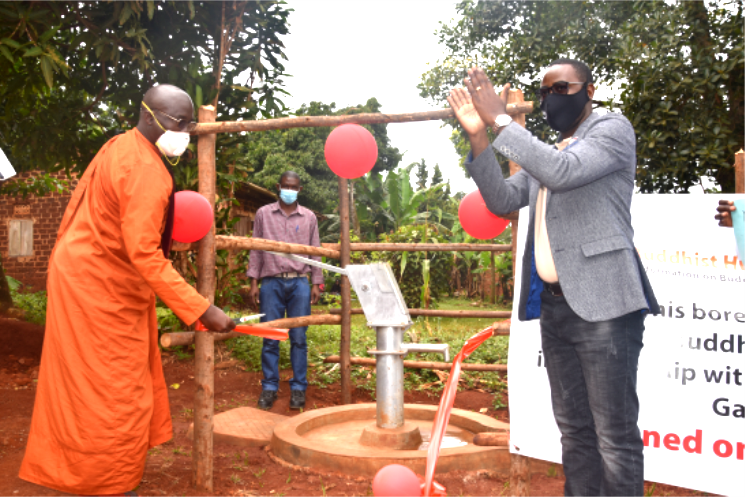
x=323, y=341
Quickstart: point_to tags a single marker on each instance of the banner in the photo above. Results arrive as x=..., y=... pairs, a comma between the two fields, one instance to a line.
x=6, y=169
x=691, y=378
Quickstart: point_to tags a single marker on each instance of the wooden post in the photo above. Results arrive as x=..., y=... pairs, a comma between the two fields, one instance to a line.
x=493, y=280
x=515, y=97
x=441, y=366
x=346, y=296
x=519, y=465
x=327, y=121
x=740, y=172
x=441, y=314
x=519, y=475
x=187, y=337
x=410, y=247
x=204, y=358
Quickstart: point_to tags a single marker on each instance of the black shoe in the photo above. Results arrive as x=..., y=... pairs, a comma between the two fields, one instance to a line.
x=297, y=399
x=267, y=398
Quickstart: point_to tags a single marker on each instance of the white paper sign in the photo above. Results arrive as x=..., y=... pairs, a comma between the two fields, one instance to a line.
x=691, y=379
x=6, y=169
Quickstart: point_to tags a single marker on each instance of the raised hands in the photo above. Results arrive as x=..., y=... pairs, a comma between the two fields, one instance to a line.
x=485, y=99
x=477, y=106
x=465, y=112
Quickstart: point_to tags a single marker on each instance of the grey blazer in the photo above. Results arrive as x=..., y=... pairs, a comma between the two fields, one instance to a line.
x=588, y=216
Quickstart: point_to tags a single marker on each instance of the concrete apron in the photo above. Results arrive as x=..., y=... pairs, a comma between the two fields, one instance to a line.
x=328, y=440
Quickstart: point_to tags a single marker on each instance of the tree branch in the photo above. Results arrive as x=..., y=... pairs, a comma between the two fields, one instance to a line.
x=93, y=27
x=226, y=42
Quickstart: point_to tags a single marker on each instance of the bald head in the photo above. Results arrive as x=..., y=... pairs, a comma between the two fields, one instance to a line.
x=164, y=101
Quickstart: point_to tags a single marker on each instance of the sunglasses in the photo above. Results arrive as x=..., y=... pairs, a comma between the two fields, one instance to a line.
x=182, y=124
x=560, y=88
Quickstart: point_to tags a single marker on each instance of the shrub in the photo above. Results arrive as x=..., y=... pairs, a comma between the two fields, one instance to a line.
x=414, y=269
x=167, y=320
x=33, y=304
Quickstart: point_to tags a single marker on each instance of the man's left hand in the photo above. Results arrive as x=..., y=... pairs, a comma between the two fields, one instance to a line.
x=724, y=216
x=315, y=294
x=488, y=104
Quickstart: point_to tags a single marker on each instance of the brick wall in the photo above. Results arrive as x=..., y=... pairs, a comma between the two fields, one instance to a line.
x=46, y=213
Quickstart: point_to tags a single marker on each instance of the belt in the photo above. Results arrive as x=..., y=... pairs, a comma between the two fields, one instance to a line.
x=291, y=274
x=553, y=288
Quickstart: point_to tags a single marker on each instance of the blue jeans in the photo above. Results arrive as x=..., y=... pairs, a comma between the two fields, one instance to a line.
x=277, y=296
x=592, y=373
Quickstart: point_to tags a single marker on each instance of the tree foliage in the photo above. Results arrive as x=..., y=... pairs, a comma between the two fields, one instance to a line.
x=386, y=204
x=679, y=66
x=74, y=72
x=422, y=173
x=301, y=150
x=423, y=277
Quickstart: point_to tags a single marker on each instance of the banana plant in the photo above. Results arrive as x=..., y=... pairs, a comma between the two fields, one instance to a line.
x=391, y=202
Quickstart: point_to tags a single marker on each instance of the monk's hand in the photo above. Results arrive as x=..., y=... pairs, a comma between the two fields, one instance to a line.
x=724, y=217
x=315, y=294
x=487, y=103
x=214, y=319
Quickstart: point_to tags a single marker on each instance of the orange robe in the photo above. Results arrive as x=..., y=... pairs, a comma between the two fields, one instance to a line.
x=101, y=400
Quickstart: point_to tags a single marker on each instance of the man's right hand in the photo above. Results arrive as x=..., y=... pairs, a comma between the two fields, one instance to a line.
x=461, y=103
x=253, y=295
x=468, y=117
x=216, y=320
x=724, y=208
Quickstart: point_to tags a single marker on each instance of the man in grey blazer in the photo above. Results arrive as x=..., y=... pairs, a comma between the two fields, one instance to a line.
x=582, y=276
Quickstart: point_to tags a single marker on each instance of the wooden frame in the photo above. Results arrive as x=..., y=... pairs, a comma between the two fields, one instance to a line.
x=204, y=358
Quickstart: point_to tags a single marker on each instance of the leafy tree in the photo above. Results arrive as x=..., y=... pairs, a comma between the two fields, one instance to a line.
x=301, y=150
x=401, y=203
x=421, y=175
x=437, y=199
x=385, y=204
x=679, y=66
x=423, y=277
x=74, y=72
x=370, y=195
x=437, y=176
x=468, y=265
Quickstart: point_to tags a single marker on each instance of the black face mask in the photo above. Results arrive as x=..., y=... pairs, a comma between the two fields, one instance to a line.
x=562, y=111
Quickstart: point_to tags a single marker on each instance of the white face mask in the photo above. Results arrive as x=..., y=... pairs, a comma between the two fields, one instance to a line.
x=173, y=143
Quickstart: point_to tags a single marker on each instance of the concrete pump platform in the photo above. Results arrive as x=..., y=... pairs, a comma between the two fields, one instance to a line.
x=246, y=426
x=328, y=440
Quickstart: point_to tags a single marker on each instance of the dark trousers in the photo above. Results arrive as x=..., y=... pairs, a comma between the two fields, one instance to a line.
x=592, y=373
x=279, y=296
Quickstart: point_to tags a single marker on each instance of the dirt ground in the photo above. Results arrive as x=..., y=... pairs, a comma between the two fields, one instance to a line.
x=237, y=471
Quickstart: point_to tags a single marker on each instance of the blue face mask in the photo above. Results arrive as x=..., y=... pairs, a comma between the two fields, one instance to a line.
x=288, y=196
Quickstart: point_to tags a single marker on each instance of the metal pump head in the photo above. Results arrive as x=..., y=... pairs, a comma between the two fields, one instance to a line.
x=376, y=287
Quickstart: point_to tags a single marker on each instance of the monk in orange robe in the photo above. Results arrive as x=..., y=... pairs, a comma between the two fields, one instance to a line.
x=101, y=400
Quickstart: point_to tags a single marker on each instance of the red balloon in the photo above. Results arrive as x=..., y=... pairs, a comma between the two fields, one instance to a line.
x=192, y=217
x=395, y=480
x=477, y=220
x=350, y=151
